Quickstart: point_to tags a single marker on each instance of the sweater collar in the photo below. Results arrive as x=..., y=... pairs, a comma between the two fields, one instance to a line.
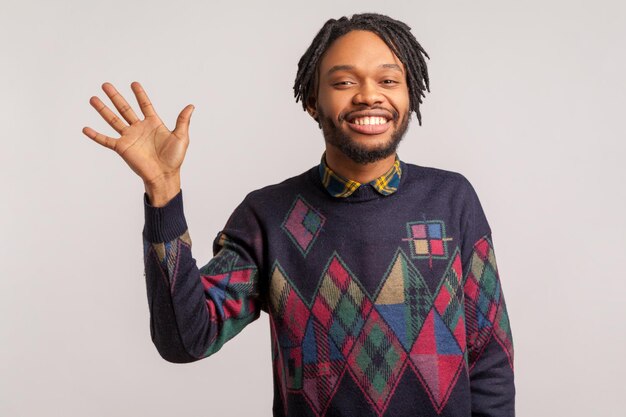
x=338, y=186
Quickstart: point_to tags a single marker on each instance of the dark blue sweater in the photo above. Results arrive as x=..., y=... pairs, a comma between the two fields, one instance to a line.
x=378, y=305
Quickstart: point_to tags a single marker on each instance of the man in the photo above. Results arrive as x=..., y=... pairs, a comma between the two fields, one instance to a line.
x=379, y=276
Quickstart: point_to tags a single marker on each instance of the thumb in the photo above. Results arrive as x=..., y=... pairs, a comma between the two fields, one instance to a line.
x=182, y=122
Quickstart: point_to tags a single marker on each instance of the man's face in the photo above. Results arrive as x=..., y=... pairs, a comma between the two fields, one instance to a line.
x=363, y=99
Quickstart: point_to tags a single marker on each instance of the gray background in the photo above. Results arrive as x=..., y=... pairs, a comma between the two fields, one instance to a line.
x=527, y=102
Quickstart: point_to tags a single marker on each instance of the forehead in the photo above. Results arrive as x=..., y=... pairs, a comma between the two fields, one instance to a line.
x=361, y=49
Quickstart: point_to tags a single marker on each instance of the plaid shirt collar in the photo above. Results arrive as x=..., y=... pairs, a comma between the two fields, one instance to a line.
x=337, y=186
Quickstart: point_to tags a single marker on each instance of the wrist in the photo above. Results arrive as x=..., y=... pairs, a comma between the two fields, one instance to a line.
x=161, y=191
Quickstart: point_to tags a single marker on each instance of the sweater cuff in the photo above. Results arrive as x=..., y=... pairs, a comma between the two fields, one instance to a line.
x=163, y=224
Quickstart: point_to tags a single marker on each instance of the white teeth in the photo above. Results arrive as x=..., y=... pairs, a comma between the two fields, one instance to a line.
x=370, y=121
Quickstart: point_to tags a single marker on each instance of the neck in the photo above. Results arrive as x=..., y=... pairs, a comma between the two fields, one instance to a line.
x=351, y=170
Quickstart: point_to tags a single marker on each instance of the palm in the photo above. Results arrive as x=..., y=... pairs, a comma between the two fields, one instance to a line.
x=148, y=146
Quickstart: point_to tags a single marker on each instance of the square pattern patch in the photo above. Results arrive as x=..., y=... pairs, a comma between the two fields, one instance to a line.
x=428, y=239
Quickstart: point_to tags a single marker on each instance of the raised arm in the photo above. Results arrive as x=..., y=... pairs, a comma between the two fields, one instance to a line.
x=193, y=312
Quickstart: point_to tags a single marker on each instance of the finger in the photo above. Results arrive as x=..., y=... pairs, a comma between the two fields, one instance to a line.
x=106, y=113
x=182, y=122
x=143, y=100
x=103, y=140
x=120, y=103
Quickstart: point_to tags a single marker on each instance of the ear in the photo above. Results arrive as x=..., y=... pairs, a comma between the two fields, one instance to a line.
x=311, y=107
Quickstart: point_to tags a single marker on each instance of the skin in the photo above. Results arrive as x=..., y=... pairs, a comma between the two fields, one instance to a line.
x=150, y=149
x=370, y=76
x=375, y=79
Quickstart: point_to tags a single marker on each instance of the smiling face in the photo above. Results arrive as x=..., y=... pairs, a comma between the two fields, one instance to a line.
x=362, y=100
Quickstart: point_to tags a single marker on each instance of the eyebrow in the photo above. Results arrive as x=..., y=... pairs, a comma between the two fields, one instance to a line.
x=351, y=67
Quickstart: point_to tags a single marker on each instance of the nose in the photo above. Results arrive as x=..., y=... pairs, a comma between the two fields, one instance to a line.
x=367, y=94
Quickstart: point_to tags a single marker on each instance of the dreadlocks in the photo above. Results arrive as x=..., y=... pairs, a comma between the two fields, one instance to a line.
x=398, y=37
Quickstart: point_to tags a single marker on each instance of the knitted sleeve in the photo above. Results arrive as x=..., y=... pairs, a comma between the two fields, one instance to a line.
x=194, y=311
x=489, y=338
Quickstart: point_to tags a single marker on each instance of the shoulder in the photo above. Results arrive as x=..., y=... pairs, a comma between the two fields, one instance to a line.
x=439, y=179
x=273, y=194
x=287, y=185
x=258, y=205
x=456, y=193
x=449, y=191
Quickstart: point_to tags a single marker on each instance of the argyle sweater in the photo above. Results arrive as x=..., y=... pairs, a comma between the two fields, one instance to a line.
x=379, y=305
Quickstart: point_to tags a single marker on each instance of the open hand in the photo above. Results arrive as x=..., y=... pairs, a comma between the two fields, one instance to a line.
x=151, y=150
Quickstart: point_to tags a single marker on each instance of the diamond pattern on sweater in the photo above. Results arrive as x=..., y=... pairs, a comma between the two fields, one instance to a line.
x=437, y=359
x=224, y=279
x=341, y=305
x=502, y=331
x=342, y=329
x=289, y=317
x=439, y=353
x=303, y=224
x=377, y=360
x=404, y=299
x=482, y=292
x=449, y=300
x=289, y=311
x=323, y=366
x=484, y=303
x=229, y=287
x=167, y=252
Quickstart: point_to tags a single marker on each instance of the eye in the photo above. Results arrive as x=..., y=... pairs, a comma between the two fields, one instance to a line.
x=390, y=82
x=344, y=83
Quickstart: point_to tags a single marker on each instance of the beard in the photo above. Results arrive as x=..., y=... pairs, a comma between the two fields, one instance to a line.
x=356, y=151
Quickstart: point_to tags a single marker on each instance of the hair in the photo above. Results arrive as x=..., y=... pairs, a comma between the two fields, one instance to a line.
x=398, y=37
